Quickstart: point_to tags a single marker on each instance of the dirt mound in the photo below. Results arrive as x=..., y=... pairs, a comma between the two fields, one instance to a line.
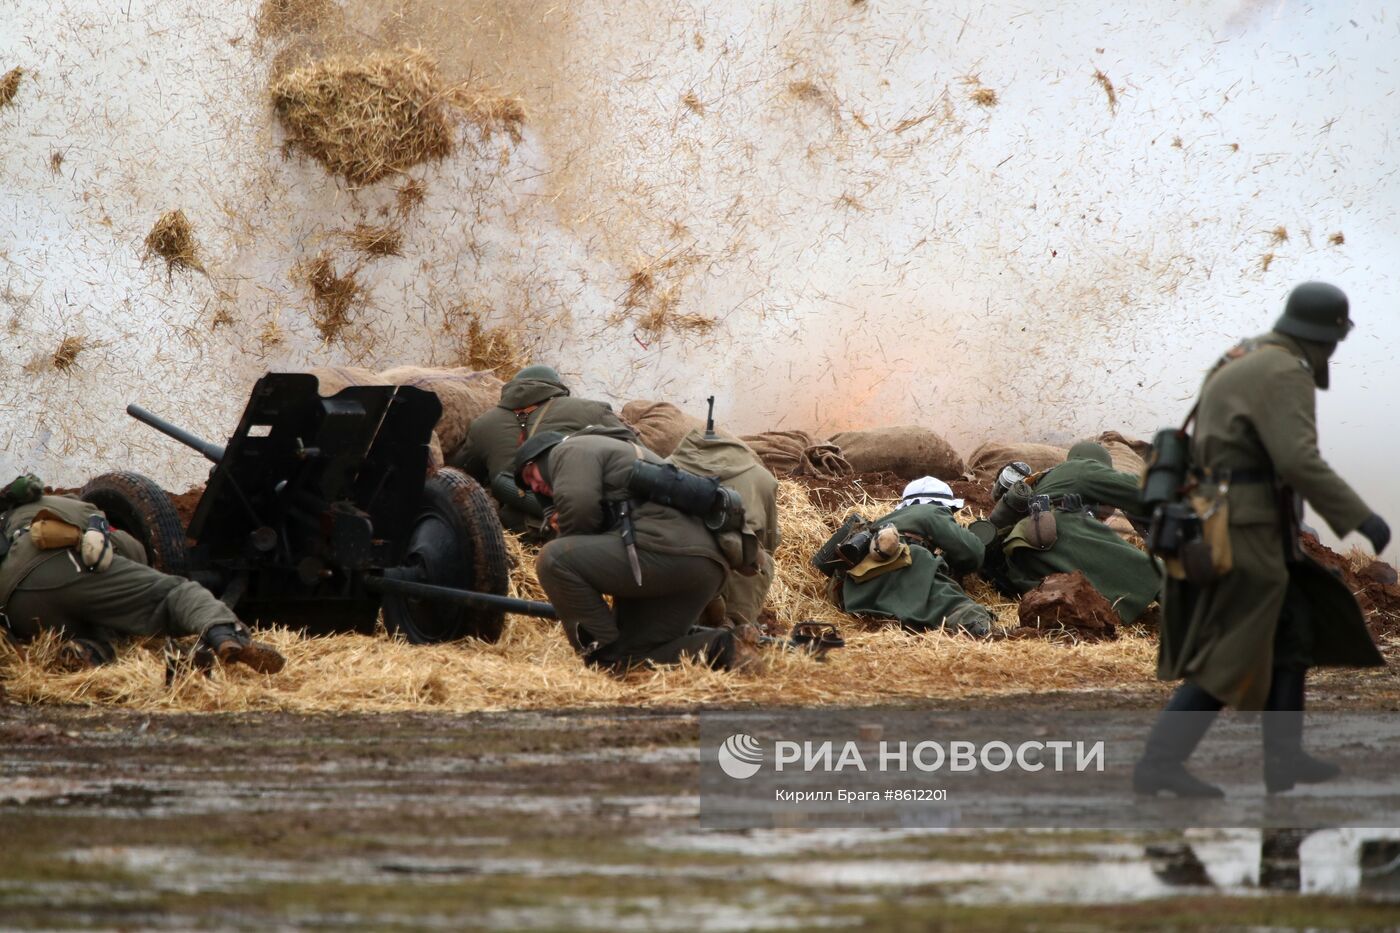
x=1067, y=603
x=185, y=503
x=837, y=493
x=976, y=496
x=1380, y=600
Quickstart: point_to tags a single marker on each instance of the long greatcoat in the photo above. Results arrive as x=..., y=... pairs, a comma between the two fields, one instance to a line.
x=923, y=595
x=1258, y=413
x=1127, y=577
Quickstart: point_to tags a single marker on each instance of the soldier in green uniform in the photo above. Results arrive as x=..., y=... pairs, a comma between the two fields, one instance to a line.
x=738, y=467
x=918, y=588
x=534, y=401
x=660, y=566
x=1247, y=638
x=66, y=569
x=1076, y=492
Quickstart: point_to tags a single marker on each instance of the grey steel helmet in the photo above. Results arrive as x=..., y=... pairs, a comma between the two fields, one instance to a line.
x=535, y=449
x=1315, y=311
x=1090, y=450
x=539, y=371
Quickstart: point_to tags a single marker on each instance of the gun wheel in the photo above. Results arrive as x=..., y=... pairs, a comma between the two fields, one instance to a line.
x=137, y=505
x=456, y=540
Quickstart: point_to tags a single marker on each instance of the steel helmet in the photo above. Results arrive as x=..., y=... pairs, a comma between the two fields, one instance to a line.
x=1315, y=311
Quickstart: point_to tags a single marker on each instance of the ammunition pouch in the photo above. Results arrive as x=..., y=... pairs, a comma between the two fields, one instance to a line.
x=1192, y=537
x=740, y=550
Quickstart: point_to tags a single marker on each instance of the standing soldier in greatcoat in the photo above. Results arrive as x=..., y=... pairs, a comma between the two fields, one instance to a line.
x=1247, y=638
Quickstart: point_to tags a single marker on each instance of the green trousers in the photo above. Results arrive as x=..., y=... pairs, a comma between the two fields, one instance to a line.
x=126, y=599
x=651, y=622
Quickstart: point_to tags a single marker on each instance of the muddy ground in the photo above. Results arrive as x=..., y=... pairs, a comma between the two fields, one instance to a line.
x=567, y=820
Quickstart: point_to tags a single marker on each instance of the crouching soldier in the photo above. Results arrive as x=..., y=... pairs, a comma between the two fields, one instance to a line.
x=1050, y=523
x=67, y=570
x=661, y=566
x=901, y=566
x=536, y=400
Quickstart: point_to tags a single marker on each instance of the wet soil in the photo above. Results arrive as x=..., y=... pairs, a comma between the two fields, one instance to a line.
x=566, y=820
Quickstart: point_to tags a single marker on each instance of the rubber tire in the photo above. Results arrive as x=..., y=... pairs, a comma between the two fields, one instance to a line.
x=456, y=501
x=138, y=506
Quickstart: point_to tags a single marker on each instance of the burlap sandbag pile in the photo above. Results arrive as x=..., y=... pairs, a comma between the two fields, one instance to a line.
x=1127, y=453
x=797, y=453
x=986, y=461
x=908, y=451
x=660, y=425
x=465, y=394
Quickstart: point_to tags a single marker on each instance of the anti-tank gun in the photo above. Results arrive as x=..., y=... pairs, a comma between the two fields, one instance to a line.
x=319, y=512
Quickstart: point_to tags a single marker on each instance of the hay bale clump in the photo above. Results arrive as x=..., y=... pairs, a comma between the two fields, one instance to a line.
x=280, y=17
x=172, y=239
x=491, y=112
x=480, y=347
x=984, y=97
x=410, y=196
x=67, y=353
x=375, y=240
x=333, y=295
x=366, y=117
x=9, y=86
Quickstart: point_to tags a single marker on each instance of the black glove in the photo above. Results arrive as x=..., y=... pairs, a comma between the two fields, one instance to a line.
x=1377, y=531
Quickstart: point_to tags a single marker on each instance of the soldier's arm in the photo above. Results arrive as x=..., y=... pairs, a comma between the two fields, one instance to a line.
x=577, y=476
x=960, y=547
x=1286, y=423
x=471, y=459
x=1099, y=483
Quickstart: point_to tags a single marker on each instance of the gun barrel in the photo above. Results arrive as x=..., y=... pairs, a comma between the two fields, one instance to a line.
x=211, y=451
x=415, y=590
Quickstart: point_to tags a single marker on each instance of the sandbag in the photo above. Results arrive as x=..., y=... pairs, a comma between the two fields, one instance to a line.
x=465, y=395
x=797, y=453
x=1127, y=454
x=986, y=461
x=660, y=425
x=908, y=451
x=334, y=378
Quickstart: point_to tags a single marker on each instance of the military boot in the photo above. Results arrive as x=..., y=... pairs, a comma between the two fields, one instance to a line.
x=232, y=642
x=1175, y=735
x=84, y=654
x=1285, y=762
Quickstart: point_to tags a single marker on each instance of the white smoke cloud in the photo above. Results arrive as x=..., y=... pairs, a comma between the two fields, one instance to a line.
x=877, y=244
